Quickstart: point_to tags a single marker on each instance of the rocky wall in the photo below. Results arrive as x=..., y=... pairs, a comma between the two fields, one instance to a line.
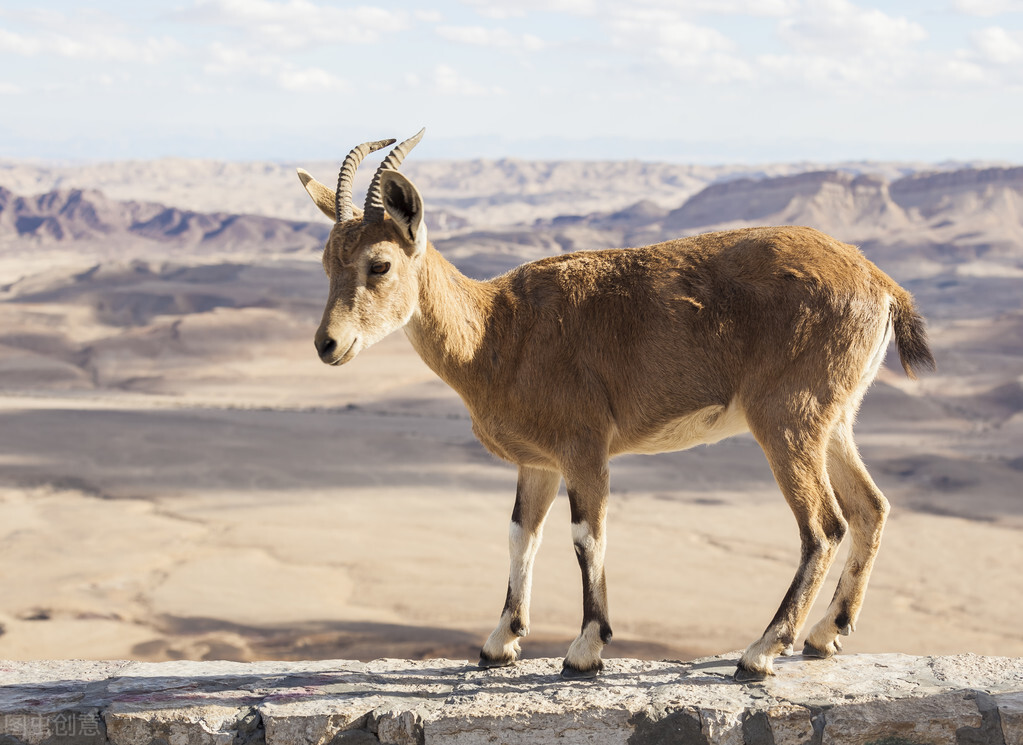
x=887, y=699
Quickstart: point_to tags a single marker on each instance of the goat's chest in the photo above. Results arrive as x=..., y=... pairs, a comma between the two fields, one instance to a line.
x=505, y=438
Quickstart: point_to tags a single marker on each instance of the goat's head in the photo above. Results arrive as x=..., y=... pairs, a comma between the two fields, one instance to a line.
x=372, y=257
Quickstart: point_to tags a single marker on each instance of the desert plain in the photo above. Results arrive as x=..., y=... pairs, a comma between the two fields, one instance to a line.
x=180, y=477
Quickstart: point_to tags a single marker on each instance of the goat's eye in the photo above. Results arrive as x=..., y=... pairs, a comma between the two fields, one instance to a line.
x=380, y=267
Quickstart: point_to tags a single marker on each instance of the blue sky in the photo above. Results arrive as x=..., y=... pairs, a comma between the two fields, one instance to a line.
x=700, y=81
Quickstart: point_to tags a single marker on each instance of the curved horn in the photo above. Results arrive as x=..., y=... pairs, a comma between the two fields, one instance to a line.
x=374, y=209
x=343, y=209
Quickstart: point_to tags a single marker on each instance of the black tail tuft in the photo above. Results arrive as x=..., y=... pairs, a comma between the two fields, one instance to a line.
x=911, y=337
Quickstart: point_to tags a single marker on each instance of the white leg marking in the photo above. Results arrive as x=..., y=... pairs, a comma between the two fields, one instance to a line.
x=593, y=548
x=759, y=655
x=523, y=547
x=503, y=643
x=584, y=654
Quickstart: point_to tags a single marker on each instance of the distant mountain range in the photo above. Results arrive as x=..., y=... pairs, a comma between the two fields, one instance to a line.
x=852, y=207
x=66, y=215
x=951, y=234
x=481, y=193
x=969, y=220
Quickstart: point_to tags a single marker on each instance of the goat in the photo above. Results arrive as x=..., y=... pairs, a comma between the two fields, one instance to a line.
x=567, y=361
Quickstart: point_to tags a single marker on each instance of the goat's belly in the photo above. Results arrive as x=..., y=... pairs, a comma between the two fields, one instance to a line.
x=710, y=424
x=505, y=444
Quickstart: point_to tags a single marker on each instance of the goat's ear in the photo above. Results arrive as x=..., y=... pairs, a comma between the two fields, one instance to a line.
x=405, y=206
x=323, y=197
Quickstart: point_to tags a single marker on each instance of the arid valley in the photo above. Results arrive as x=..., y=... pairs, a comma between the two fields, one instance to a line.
x=180, y=477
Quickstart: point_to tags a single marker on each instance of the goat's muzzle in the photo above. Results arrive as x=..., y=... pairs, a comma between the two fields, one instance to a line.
x=326, y=346
x=331, y=352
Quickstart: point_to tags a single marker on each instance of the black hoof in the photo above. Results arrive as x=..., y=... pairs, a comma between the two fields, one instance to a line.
x=573, y=673
x=810, y=650
x=745, y=674
x=486, y=661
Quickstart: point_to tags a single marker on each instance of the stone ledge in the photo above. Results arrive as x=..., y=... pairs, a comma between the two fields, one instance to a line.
x=889, y=699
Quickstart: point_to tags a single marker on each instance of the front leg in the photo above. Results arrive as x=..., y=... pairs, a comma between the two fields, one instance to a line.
x=533, y=498
x=587, y=495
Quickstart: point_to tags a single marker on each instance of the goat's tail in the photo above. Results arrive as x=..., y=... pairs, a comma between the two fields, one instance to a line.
x=910, y=334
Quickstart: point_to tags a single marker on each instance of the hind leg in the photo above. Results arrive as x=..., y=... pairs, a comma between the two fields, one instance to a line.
x=865, y=509
x=798, y=461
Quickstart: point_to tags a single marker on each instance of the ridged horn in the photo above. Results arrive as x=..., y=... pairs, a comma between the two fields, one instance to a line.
x=343, y=207
x=374, y=210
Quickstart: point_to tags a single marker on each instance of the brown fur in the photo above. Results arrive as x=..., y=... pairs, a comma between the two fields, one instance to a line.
x=567, y=361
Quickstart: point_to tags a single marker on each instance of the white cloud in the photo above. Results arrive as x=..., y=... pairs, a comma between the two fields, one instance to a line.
x=669, y=43
x=655, y=28
x=428, y=16
x=833, y=27
x=988, y=7
x=995, y=60
x=749, y=7
x=298, y=23
x=838, y=46
x=495, y=38
x=86, y=39
x=962, y=70
x=449, y=82
x=309, y=80
x=234, y=61
x=997, y=46
x=504, y=9
x=9, y=89
x=820, y=72
x=830, y=46
x=758, y=8
x=17, y=43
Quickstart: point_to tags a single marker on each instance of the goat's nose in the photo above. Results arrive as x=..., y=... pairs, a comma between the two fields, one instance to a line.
x=326, y=347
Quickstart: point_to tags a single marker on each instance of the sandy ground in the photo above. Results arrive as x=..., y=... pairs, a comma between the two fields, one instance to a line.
x=357, y=517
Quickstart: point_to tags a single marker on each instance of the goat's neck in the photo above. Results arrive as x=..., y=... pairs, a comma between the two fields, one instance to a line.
x=449, y=326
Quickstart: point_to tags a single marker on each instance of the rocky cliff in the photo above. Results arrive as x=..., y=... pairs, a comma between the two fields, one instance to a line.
x=888, y=699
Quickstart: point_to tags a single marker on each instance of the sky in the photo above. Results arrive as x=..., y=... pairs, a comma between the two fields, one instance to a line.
x=701, y=81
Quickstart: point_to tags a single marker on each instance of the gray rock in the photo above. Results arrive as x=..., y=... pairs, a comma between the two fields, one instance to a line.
x=933, y=720
x=196, y=725
x=1010, y=715
x=959, y=700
